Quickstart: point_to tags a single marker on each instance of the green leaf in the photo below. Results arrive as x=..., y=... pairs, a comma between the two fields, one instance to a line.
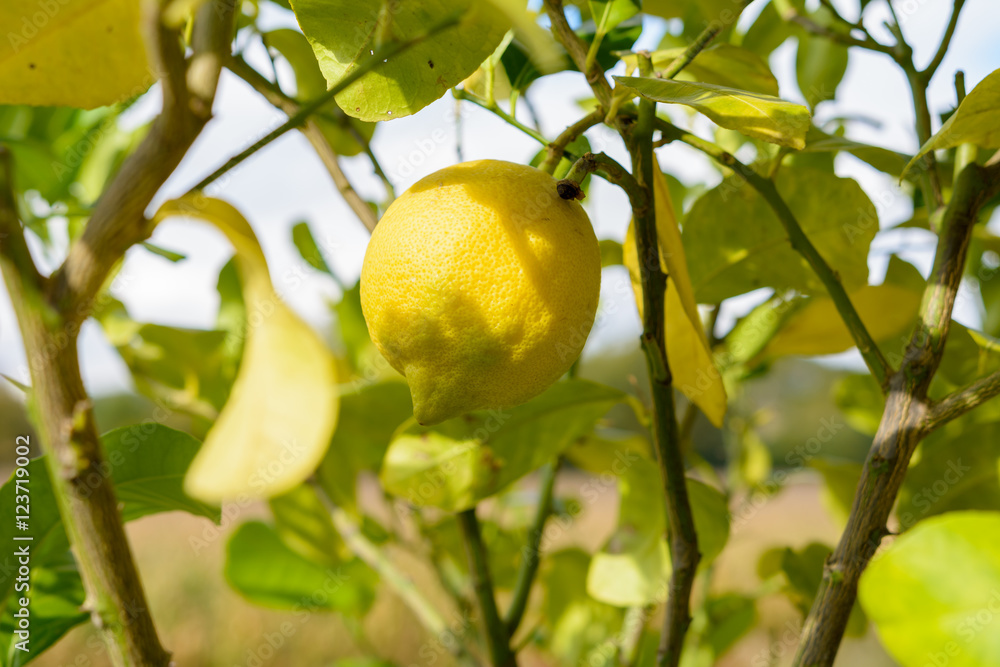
x=575, y=622
x=305, y=243
x=608, y=14
x=815, y=329
x=344, y=33
x=611, y=252
x=820, y=64
x=282, y=411
x=55, y=600
x=768, y=31
x=369, y=416
x=721, y=65
x=955, y=469
x=340, y=130
x=354, y=333
x=735, y=243
x=730, y=617
x=261, y=568
x=303, y=522
x=883, y=159
x=934, y=594
x=633, y=569
x=861, y=400
x=974, y=122
x=759, y=116
x=146, y=462
x=455, y=464
x=89, y=56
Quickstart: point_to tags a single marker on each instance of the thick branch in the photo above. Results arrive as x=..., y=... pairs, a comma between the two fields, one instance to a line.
x=313, y=133
x=870, y=351
x=496, y=632
x=531, y=555
x=118, y=221
x=905, y=421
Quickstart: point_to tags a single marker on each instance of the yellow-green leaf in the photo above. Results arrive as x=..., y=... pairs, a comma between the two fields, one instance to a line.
x=974, y=122
x=817, y=329
x=278, y=421
x=345, y=33
x=688, y=353
x=722, y=65
x=756, y=115
x=79, y=53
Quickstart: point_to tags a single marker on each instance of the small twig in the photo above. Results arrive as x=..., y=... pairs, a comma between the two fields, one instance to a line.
x=531, y=555
x=957, y=404
x=601, y=163
x=577, y=50
x=870, y=351
x=313, y=134
x=868, y=42
x=496, y=632
x=556, y=150
x=307, y=109
x=495, y=109
x=928, y=73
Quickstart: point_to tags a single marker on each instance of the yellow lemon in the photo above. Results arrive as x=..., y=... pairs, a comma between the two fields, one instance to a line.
x=480, y=285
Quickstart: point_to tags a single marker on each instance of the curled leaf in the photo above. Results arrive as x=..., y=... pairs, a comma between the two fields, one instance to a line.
x=276, y=425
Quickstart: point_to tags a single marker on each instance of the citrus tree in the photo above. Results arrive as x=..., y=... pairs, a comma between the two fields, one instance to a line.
x=455, y=375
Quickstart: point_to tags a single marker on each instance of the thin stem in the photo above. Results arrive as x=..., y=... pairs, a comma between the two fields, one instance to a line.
x=307, y=109
x=606, y=166
x=371, y=555
x=556, y=150
x=494, y=108
x=313, y=134
x=847, y=39
x=905, y=422
x=949, y=32
x=531, y=555
x=870, y=351
x=497, y=638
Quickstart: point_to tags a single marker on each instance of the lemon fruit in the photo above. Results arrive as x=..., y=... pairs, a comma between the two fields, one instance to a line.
x=480, y=285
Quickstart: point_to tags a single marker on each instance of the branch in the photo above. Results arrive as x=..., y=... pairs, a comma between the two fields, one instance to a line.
x=496, y=632
x=577, y=50
x=905, y=422
x=118, y=221
x=876, y=362
x=928, y=73
x=312, y=132
x=698, y=45
x=846, y=39
x=494, y=108
x=531, y=555
x=957, y=404
x=14, y=251
x=556, y=150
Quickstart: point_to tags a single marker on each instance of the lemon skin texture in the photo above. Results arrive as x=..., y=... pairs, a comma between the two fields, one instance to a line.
x=480, y=285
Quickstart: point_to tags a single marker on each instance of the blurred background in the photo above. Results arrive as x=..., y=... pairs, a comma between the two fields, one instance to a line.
x=202, y=620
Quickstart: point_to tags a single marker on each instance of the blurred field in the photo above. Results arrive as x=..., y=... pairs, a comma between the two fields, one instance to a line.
x=205, y=624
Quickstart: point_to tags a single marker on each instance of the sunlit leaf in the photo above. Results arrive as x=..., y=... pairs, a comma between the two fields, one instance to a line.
x=934, y=594
x=820, y=64
x=80, y=53
x=281, y=413
x=303, y=523
x=735, y=243
x=817, y=328
x=974, y=122
x=721, y=65
x=688, y=353
x=344, y=33
x=455, y=464
x=756, y=115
